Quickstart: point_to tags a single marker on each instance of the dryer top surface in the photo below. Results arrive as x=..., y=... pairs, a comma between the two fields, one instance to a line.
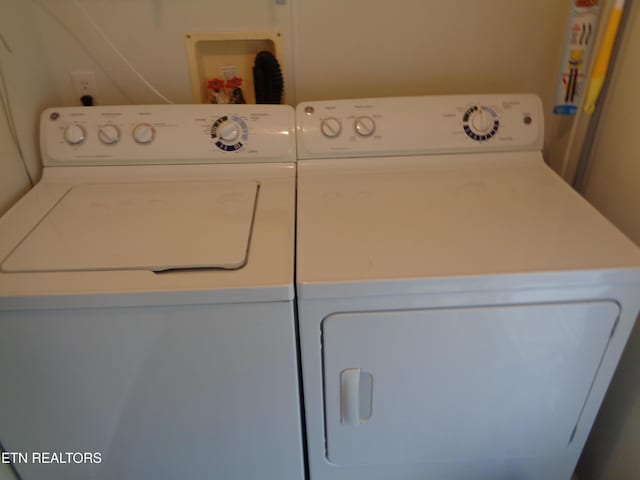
x=404, y=218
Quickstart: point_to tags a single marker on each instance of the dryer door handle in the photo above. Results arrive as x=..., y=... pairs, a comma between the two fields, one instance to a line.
x=350, y=396
x=356, y=396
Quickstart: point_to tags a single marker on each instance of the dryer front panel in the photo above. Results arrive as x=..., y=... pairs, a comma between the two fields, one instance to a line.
x=441, y=385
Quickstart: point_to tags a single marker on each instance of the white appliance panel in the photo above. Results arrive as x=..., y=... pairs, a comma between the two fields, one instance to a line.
x=475, y=383
x=163, y=393
x=142, y=226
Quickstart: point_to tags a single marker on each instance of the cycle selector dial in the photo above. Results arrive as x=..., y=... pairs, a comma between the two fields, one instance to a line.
x=331, y=127
x=364, y=126
x=229, y=133
x=75, y=134
x=109, y=134
x=144, y=133
x=480, y=123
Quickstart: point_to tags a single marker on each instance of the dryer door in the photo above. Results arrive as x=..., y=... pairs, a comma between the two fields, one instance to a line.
x=462, y=383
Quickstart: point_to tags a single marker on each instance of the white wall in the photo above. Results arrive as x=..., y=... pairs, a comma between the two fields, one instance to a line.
x=613, y=187
x=30, y=89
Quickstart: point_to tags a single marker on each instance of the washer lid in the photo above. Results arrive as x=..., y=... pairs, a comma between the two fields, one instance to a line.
x=142, y=226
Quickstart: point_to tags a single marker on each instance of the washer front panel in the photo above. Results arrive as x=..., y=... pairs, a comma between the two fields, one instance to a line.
x=178, y=392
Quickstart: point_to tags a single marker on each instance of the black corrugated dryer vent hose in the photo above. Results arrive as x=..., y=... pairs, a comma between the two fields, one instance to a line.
x=267, y=78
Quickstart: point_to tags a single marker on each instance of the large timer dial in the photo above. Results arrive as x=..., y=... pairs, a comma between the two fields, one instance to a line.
x=229, y=133
x=480, y=123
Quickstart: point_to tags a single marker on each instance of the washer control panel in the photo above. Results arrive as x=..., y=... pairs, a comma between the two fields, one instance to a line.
x=419, y=125
x=167, y=134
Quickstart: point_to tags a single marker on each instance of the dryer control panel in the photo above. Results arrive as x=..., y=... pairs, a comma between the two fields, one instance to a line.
x=419, y=125
x=167, y=134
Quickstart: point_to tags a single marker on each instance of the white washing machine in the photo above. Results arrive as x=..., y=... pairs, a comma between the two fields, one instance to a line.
x=146, y=298
x=461, y=309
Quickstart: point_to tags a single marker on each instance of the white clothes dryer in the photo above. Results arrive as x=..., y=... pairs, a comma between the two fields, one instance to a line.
x=146, y=297
x=461, y=309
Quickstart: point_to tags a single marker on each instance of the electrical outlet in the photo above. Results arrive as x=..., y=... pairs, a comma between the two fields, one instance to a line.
x=84, y=82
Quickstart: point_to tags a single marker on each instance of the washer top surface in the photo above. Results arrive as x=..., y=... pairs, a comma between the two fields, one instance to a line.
x=138, y=243
x=393, y=218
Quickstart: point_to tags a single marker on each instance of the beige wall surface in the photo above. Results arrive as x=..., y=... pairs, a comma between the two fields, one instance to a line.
x=613, y=180
x=28, y=82
x=361, y=48
x=613, y=187
x=30, y=90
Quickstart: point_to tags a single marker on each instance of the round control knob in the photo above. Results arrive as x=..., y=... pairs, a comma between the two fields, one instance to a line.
x=229, y=131
x=75, y=134
x=364, y=126
x=144, y=133
x=330, y=127
x=481, y=121
x=109, y=134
